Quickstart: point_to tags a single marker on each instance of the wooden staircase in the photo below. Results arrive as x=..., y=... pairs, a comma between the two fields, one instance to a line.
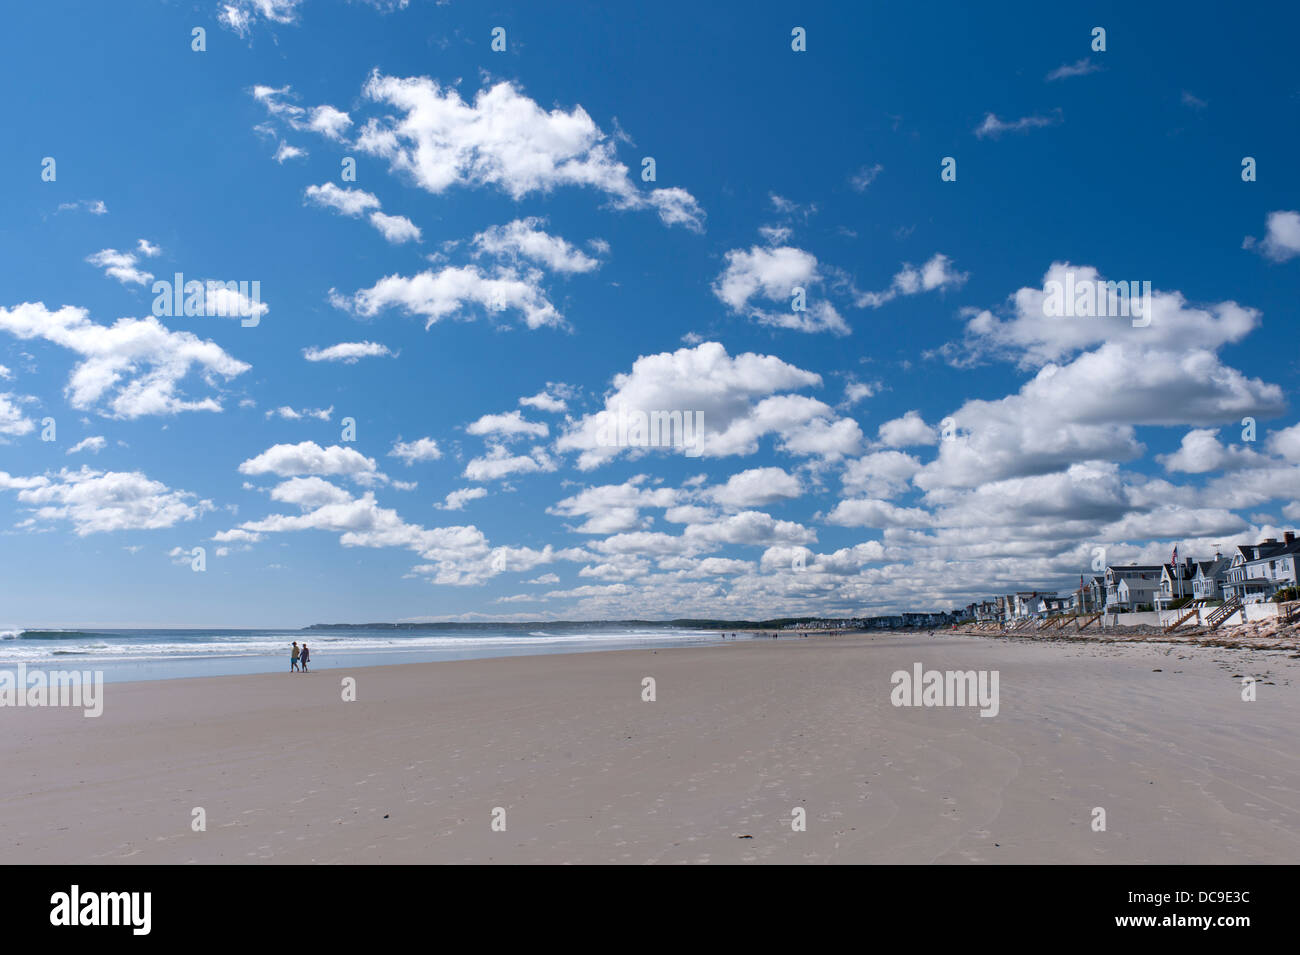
x=1215, y=620
x=1182, y=620
x=1093, y=618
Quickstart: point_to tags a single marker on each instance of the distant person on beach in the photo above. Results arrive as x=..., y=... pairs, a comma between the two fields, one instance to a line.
x=306, y=655
x=293, y=658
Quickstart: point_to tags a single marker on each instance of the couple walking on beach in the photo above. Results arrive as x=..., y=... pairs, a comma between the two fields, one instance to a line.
x=297, y=656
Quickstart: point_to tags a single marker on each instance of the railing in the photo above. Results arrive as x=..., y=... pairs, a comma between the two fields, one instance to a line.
x=1183, y=619
x=1220, y=614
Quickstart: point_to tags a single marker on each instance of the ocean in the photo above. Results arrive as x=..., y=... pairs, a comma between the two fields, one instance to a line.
x=167, y=654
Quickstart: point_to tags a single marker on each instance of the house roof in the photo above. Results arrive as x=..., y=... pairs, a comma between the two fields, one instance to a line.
x=1267, y=551
x=1208, y=568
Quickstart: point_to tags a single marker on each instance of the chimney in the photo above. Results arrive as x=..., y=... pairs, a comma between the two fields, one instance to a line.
x=1289, y=537
x=1270, y=540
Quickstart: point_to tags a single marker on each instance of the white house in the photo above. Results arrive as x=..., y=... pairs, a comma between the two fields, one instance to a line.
x=1175, y=583
x=1025, y=603
x=1051, y=604
x=1143, y=584
x=1135, y=593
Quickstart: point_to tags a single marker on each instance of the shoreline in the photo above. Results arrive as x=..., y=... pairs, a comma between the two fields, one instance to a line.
x=328, y=653
x=268, y=653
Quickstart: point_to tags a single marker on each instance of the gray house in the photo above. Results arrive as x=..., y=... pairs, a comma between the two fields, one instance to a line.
x=1210, y=575
x=1260, y=570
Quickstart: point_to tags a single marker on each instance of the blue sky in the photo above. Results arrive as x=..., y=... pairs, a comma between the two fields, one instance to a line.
x=499, y=273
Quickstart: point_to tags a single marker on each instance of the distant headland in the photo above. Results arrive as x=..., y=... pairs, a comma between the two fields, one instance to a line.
x=886, y=622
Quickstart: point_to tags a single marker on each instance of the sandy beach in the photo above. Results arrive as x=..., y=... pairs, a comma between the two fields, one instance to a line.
x=737, y=738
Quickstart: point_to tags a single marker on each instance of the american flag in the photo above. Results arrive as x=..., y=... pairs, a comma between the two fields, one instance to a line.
x=1174, y=560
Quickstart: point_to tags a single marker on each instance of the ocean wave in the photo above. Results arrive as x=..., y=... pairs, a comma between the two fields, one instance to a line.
x=57, y=635
x=144, y=646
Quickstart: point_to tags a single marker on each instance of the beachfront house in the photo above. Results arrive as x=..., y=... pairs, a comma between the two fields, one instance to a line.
x=1025, y=603
x=1129, y=586
x=1260, y=570
x=1049, y=605
x=1136, y=594
x=1089, y=598
x=1175, y=583
x=1093, y=596
x=1207, y=585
